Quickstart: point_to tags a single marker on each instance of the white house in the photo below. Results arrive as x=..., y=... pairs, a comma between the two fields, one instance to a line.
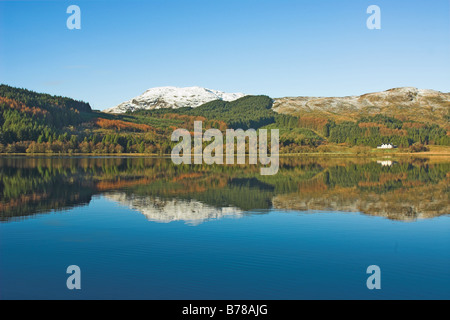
x=387, y=146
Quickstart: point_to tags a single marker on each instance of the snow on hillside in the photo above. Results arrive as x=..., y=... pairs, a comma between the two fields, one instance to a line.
x=407, y=97
x=172, y=97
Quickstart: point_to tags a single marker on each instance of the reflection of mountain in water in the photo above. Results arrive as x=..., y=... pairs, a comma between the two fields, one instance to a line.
x=406, y=192
x=231, y=199
x=243, y=193
x=192, y=212
x=164, y=192
x=422, y=202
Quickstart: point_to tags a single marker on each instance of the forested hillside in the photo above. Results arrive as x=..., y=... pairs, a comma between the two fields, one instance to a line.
x=245, y=113
x=29, y=116
x=31, y=122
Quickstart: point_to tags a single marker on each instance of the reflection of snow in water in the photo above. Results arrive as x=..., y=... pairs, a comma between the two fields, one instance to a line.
x=192, y=212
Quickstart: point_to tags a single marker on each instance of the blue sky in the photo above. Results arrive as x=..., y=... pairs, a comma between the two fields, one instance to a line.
x=277, y=47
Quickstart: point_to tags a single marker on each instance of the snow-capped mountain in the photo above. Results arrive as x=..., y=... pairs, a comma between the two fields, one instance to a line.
x=173, y=97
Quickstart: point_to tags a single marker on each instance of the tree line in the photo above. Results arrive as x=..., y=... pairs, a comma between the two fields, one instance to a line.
x=40, y=123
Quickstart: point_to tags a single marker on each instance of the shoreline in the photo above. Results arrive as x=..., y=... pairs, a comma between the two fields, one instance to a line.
x=311, y=154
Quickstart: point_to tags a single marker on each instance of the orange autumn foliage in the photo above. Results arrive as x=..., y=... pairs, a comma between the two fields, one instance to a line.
x=384, y=131
x=314, y=123
x=188, y=122
x=114, y=185
x=369, y=125
x=413, y=125
x=22, y=107
x=122, y=125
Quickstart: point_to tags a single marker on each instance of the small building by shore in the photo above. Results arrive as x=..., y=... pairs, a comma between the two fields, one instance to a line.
x=387, y=146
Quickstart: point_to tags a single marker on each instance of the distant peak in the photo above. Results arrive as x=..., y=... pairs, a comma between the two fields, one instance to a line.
x=174, y=97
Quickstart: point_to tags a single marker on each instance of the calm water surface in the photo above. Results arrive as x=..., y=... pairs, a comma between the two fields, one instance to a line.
x=145, y=229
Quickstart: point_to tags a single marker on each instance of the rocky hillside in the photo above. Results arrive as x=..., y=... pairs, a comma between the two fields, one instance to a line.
x=402, y=103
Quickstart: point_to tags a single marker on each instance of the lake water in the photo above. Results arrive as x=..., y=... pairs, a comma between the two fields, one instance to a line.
x=147, y=229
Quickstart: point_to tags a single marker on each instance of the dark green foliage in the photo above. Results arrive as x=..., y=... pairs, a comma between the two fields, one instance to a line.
x=352, y=134
x=38, y=116
x=40, y=123
x=389, y=122
x=418, y=147
x=351, y=175
x=43, y=101
x=20, y=126
x=250, y=112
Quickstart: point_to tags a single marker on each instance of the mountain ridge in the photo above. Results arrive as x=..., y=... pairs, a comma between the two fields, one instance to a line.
x=173, y=97
x=407, y=102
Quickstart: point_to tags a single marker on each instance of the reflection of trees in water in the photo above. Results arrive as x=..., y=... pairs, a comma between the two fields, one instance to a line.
x=404, y=191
